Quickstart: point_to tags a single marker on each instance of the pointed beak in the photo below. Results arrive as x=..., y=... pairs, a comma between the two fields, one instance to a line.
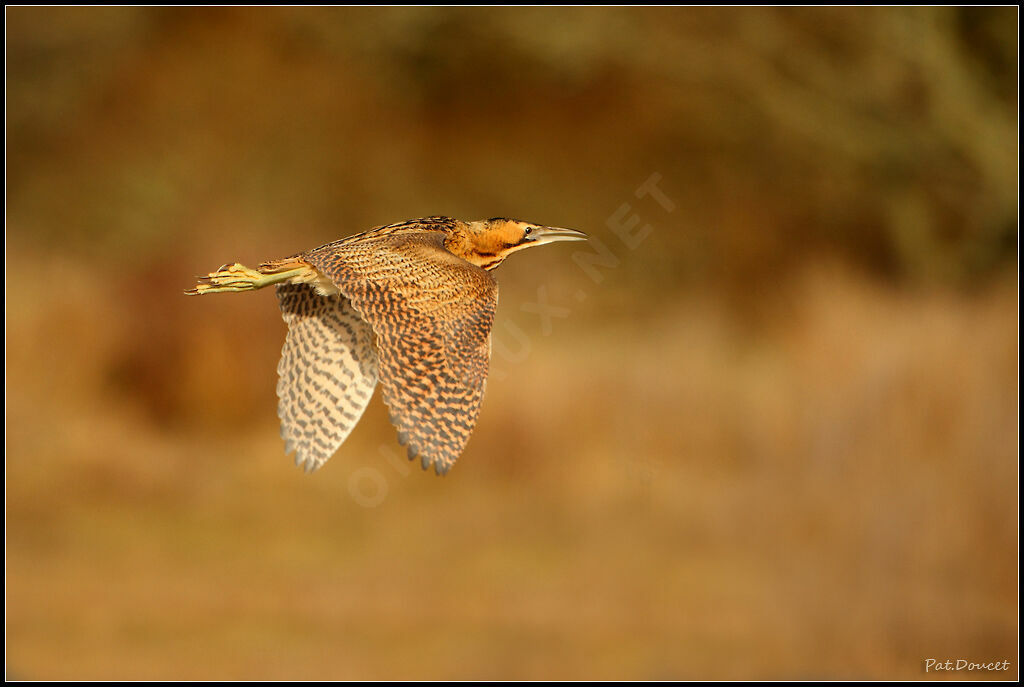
x=542, y=235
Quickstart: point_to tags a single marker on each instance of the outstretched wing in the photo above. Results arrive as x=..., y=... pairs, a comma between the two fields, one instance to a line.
x=326, y=375
x=432, y=313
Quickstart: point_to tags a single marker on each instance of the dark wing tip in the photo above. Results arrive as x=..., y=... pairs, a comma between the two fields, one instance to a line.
x=440, y=466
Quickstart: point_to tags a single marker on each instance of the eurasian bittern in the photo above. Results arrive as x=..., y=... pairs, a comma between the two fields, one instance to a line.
x=408, y=304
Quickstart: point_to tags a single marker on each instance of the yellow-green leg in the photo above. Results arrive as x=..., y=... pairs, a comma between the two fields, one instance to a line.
x=238, y=277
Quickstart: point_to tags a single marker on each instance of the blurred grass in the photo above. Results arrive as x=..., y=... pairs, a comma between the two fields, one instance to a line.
x=778, y=440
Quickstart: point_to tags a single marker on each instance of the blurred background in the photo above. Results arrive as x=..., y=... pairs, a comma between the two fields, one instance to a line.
x=763, y=426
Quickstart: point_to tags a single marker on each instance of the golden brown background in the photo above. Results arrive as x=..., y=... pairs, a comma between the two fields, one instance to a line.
x=775, y=438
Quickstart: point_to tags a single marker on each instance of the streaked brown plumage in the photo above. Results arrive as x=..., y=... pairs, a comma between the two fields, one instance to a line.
x=409, y=304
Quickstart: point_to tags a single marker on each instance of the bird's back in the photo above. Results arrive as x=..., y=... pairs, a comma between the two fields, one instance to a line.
x=432, y=315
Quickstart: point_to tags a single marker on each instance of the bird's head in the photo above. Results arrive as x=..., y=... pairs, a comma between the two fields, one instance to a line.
x=489, y=241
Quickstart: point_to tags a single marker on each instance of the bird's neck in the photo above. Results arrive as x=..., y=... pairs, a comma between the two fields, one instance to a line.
x=481, y=254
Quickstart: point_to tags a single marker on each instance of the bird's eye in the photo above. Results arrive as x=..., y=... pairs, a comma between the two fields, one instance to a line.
x=527, y=232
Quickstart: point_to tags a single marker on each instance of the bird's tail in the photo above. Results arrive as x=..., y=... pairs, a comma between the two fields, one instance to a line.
x=238, y=277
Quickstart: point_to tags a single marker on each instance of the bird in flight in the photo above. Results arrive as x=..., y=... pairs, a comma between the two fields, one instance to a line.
x=409, y=305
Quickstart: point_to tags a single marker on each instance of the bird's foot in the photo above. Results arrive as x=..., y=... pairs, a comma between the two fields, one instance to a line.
x=234, y=277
